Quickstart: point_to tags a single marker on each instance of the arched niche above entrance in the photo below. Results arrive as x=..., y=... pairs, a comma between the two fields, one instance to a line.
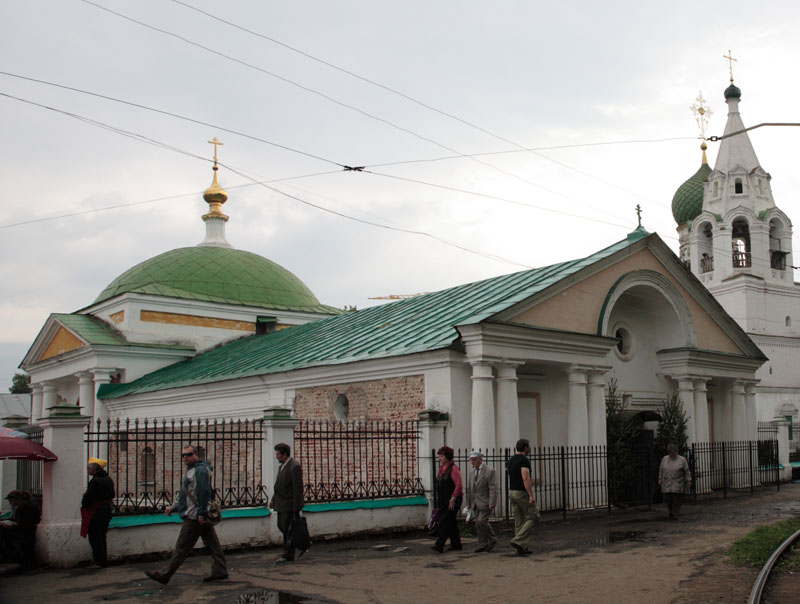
x=649, y=306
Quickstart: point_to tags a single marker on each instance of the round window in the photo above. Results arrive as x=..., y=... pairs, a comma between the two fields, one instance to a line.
x=341, y=408
x=625, y=347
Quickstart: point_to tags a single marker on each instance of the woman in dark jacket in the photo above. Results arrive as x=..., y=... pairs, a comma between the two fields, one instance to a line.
x=449, y=494
x=96, y=509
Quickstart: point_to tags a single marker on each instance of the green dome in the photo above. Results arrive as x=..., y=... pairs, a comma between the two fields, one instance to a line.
x=733, y=92
x=217, y=274
x=687, y=203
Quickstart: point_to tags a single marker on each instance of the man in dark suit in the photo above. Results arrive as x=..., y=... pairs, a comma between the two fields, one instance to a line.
x=287, y=499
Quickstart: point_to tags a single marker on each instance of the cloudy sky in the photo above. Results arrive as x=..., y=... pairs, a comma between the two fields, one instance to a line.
x=105, y=119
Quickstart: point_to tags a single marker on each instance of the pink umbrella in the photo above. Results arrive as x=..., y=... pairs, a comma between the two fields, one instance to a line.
x=22, y=448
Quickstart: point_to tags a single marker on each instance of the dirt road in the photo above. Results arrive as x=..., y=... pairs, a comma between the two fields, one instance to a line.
x=630, y=556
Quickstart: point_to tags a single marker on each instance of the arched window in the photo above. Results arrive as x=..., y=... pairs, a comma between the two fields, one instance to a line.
x=788, y=321
x=147, y=467
x=777, y=246
x=740, y=239
x=716, y=189
x=706, y=248
x=760, y=186
x=738, y=187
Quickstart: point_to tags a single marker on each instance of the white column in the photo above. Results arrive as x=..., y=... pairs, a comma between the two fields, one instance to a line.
x=483, y=424
x=596, y=402
x=507, y=405
x=686, y=397
x=598, y=470
x=58, y=540
x=750, y=410
x=738, y=412
x=577, y=410
x=49, y=398
x=701, y=430
x=432, y=425
x=101, y=376
x=36, y=403
x=278, y=427
x=86, y=392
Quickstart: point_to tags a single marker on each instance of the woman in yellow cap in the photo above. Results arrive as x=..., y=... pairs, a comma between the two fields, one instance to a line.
x=96, y=509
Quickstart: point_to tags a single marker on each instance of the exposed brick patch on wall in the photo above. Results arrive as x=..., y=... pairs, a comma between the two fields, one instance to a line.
x=390, y=399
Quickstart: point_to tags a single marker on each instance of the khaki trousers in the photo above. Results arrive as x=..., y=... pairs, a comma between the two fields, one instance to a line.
x=526, y=516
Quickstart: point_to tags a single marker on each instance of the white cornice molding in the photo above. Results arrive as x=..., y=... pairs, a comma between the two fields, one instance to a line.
x=496, y=342
x=188, y=306
x=703, y=363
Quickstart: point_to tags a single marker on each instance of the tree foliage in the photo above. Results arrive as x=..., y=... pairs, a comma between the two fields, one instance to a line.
x=20, y=384
x=672, y=428
x=619, y=436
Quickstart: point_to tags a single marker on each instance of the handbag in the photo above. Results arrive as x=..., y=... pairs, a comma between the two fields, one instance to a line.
x=433, y=523
x=658, y=496
x=300, y=536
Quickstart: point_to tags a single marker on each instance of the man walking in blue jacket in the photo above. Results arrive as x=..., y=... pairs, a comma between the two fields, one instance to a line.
x=192, y=504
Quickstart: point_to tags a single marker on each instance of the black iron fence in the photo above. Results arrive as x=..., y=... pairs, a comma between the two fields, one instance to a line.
x=715, y=467
x=734, y=465
x=144, y=460
x=29, y=473
x=358, y=460
x=563, y=478
x=767, y=430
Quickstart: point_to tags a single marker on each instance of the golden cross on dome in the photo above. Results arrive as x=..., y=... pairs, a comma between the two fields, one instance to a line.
x=702, y=114
x=730, y=58
x=215, y=142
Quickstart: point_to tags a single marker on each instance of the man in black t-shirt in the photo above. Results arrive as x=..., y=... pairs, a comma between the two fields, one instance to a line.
x=523, y=502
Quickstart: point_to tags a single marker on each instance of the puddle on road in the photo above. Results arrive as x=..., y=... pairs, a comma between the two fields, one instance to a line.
x=617, y=536
x=273, y=596
x=609, y=538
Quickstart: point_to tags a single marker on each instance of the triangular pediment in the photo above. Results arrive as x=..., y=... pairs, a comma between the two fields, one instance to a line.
x=63, y=341
x=738, y=169
x=53, y=340
x=580, y=303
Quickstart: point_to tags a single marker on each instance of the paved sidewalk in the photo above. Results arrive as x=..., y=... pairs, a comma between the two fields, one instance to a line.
x=628, y=556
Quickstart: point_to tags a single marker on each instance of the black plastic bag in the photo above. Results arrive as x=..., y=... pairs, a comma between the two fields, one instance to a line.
x=658, y=496
x=300, y=536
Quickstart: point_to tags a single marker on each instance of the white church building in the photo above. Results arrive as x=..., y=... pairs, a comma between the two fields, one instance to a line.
x=526, y=354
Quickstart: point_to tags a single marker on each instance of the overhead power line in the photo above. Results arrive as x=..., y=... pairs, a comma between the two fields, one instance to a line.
x=171, y=114
x=408, y=97
x=144, y=139
x=358, y=109
x=254, y=181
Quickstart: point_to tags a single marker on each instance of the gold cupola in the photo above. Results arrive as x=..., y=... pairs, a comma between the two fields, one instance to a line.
x=215, y=196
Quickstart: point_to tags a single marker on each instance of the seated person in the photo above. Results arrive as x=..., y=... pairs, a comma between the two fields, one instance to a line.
x=18, y=533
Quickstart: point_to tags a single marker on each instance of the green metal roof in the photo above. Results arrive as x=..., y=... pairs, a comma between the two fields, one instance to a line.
x=98, y=332
x=217, y=274
x=419, y=324
x=687, y=203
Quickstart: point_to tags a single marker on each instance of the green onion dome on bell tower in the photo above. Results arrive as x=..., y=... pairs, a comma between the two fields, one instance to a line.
x=687, y=203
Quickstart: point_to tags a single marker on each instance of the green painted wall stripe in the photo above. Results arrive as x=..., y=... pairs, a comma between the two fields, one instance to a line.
x=370, y=504
x=145, y=519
